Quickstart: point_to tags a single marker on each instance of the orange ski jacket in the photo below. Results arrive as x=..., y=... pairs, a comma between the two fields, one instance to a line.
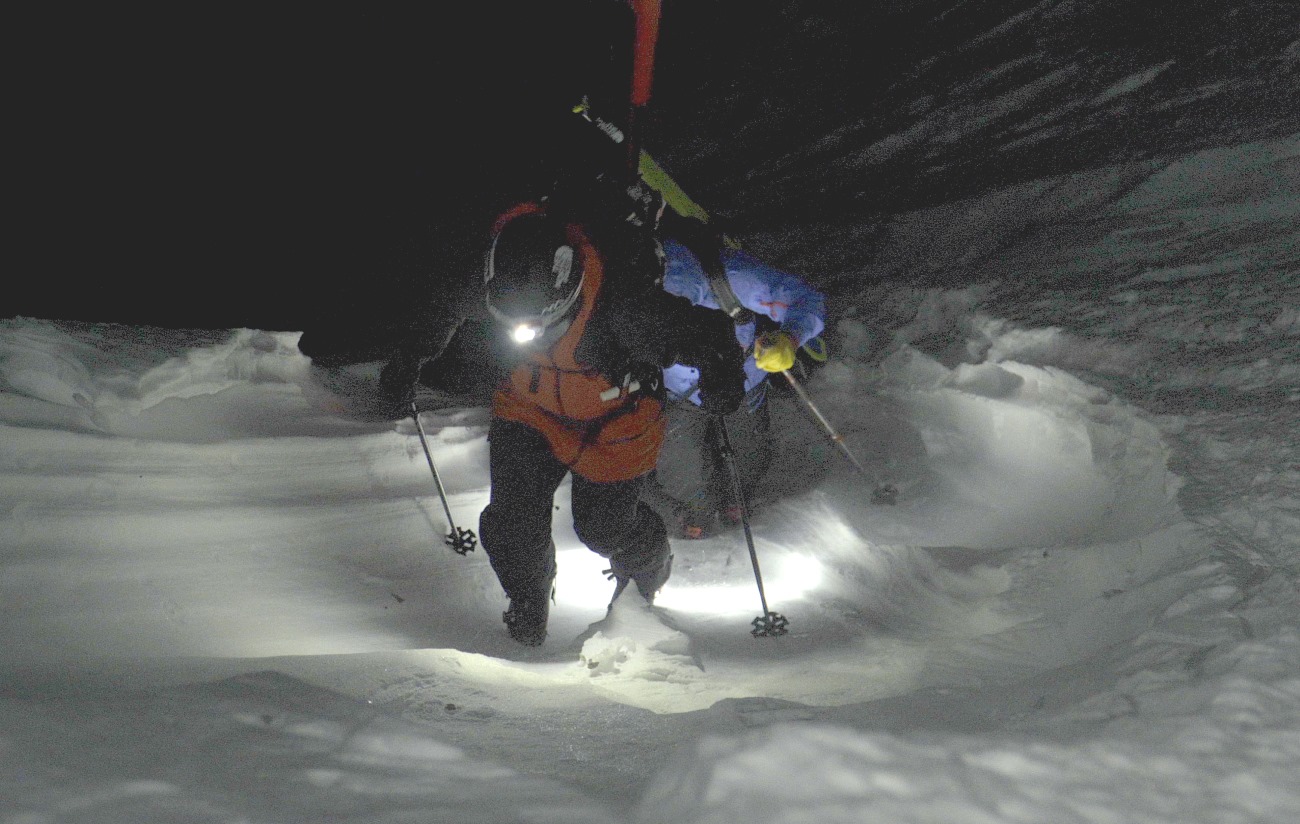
x=603, y=430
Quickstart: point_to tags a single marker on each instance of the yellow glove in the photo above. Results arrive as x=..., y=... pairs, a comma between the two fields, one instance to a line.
x=774, y=352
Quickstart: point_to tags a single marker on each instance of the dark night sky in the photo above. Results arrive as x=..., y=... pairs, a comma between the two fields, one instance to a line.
x=221, y=167
x=225, y=168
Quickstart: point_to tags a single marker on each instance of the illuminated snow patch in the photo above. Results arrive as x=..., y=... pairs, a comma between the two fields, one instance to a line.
x=786, y=578
x=580, y=579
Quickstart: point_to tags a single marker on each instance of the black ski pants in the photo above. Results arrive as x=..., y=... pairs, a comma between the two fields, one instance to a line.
x=515, y=527
x=691, y=477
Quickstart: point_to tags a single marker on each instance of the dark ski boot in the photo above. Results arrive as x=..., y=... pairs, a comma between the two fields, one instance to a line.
x=648, y=580
x=526, y=618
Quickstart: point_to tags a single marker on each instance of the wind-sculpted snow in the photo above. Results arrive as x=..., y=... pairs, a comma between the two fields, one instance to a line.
x=328, y=526
x=1016, y=456
x=323, y=757
x=1036, y=529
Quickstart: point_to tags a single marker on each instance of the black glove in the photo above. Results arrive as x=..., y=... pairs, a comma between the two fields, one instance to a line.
x=722, y=387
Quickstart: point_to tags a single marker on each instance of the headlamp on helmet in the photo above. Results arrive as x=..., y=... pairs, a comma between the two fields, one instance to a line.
x=526, y=331
x=532, y=278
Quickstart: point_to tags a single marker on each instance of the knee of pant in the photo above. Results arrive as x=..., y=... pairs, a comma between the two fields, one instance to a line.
x=645, y=546
x=646, y=558
x=498, y=529
x=607, y=536
x=602, y=538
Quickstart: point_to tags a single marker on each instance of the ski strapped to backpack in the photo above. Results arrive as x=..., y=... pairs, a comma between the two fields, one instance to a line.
x=644, y=40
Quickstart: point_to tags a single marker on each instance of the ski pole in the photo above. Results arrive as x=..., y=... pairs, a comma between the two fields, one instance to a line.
x=462, y=541
x=769, y=624
x=884, y=494
x=817, y=413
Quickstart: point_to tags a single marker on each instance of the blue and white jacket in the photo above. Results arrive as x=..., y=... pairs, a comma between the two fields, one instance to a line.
x=797, y=308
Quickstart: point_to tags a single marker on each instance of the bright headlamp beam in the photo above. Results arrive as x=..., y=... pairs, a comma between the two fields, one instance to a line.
x=524, y=332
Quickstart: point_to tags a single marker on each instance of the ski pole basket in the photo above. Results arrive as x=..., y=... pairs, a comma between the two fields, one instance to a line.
x=462, y=541
x=770, y=625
